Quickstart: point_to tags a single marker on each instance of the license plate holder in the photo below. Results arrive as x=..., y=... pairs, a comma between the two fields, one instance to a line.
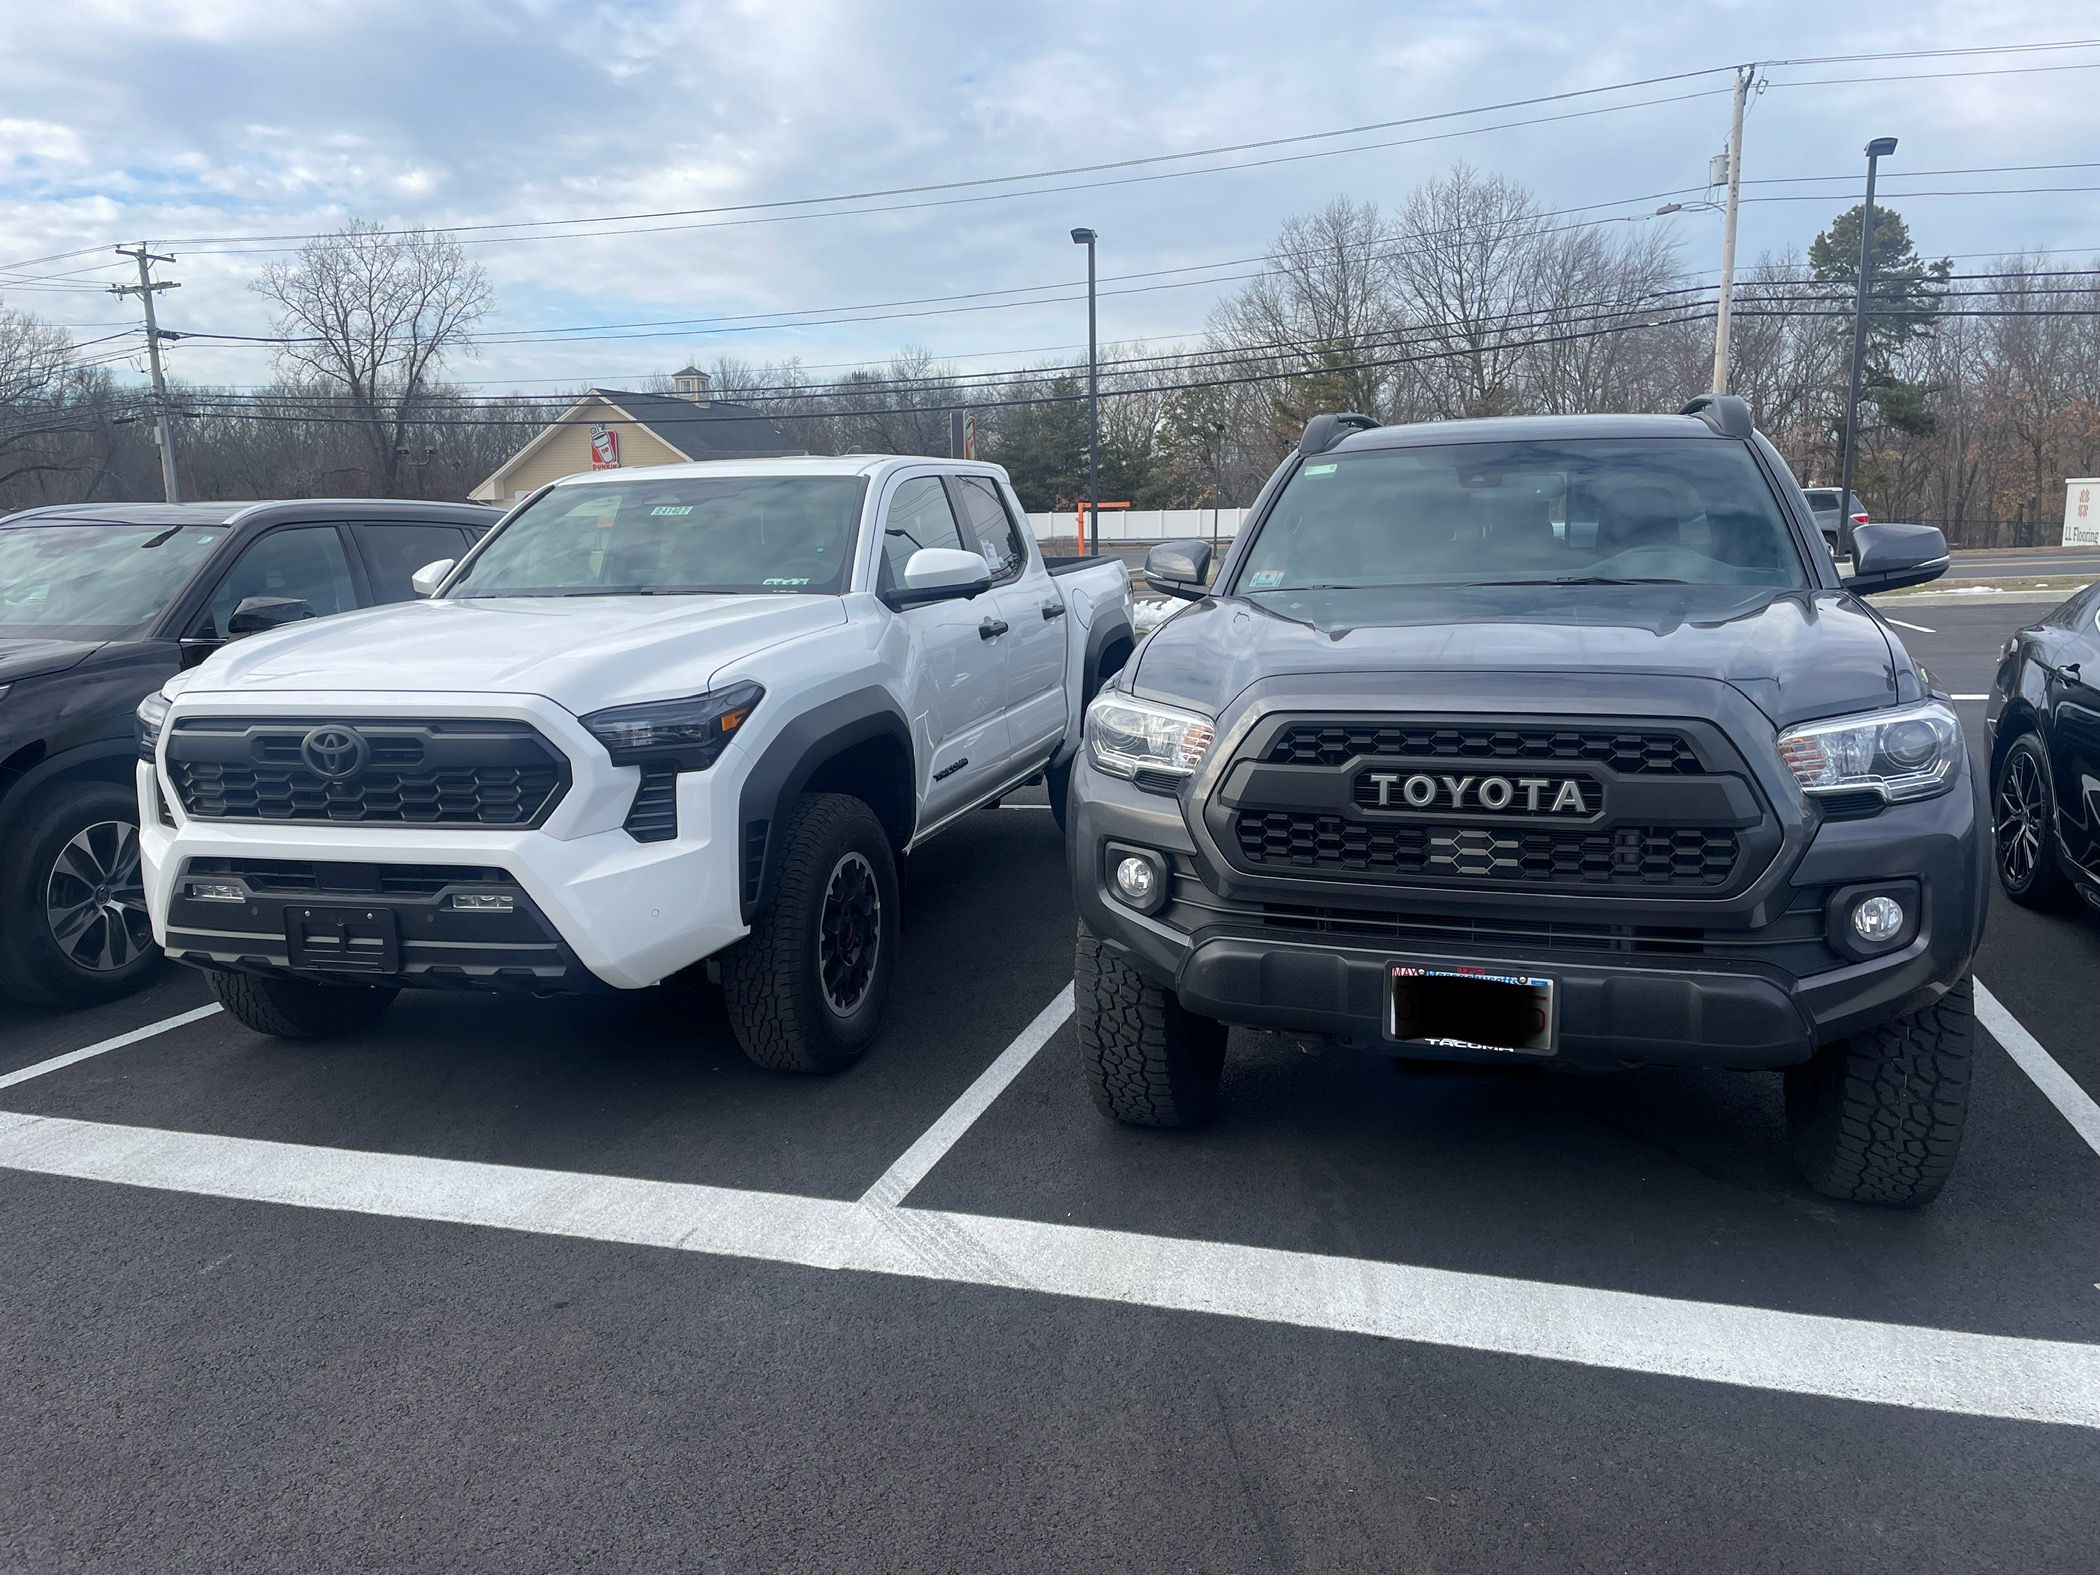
x=1462, y=1007
x=342, y=940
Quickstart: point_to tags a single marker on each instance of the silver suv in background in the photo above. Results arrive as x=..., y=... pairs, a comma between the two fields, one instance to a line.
x=1830, y=518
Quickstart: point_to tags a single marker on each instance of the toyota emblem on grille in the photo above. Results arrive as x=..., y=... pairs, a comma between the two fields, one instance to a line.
x=335, y=752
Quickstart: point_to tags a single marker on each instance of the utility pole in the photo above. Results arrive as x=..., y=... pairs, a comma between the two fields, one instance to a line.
x=145, y=290
x=1087, y=238
x=1877, y=150
x=1743, y=78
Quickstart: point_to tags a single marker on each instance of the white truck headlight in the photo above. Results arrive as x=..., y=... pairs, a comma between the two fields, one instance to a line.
x=1904, y=754
x=688, y=734
x=1126, y=736
x=152, y=715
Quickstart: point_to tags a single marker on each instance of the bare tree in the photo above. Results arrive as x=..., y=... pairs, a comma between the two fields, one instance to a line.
x=371, y=315
x=44, y=409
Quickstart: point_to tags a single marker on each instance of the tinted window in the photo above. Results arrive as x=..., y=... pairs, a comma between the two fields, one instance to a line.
x=306, y=562
x=394, y=552
x=996, y=532
x=677, y=536
x=94, y=582
x=919, y=516
x=1684, y=511
x=1822, y=497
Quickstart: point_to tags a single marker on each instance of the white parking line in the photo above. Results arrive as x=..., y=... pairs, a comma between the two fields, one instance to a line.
x=72, y=1057
x=1795, y=1353
x=913, y=1164
x=2057, y=1086
x=1968, y=697
x=1899, y=623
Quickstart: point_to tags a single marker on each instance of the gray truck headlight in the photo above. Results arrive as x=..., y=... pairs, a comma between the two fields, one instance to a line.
x=152, y=715
x=1126, y=736
x=687, y=735
x=1908, y=753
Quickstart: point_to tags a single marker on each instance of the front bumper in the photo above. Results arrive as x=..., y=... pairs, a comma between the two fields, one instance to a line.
x=1756, y=983
x=591, y=905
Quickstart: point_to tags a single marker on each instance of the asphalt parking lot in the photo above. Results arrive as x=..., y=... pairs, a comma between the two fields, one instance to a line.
x=514, y=1285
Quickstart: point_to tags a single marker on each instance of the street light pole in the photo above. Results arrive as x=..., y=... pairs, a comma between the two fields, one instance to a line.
x=1087, y=238
x=1735, y=192
x=1877, y=150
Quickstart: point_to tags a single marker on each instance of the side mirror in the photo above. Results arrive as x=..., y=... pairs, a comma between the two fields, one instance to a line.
x=1180, y=568
x=426, y=580
x=940, y=574
x=1889, y=557
x=257, y=614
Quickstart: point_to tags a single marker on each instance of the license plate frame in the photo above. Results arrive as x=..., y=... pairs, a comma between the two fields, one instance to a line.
x=338, y=939
x=1427, y=1003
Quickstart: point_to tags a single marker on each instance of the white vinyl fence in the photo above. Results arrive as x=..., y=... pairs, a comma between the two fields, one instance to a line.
x=1140, y=525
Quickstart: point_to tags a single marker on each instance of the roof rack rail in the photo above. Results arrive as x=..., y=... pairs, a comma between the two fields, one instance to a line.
x=1727, y=414
x=1323, y=432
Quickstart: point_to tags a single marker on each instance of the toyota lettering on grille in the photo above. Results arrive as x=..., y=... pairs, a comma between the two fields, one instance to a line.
x=1496, y=795
x=335, y=752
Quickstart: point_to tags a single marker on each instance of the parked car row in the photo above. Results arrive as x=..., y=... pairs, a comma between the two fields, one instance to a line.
x=1552, y=740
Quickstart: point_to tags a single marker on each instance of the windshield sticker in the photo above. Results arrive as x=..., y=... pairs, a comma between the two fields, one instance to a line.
x=1265, y=579
x=1323, y=470
x=672, y=508
x=786, y=580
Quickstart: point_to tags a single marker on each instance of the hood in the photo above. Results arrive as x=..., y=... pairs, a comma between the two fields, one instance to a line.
x=581, y=652
x=1796, y=656
x=34, y=658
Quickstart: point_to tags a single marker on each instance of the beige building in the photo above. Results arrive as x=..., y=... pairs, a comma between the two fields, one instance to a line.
x=609, y=429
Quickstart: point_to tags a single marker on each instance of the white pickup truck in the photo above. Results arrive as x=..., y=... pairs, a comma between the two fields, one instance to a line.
x=695, y=712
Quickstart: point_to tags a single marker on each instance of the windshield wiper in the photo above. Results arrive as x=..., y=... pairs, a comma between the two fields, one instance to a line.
x=1589, y=579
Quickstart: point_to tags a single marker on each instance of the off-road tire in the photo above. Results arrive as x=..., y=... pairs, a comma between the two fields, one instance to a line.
x=1877, y=1117
x=295, y=1008
x=1147, y=1061
x=33, y=967
x=2045, y=886
x=771, y=979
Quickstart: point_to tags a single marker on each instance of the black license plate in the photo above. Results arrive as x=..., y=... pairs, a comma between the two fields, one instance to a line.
x=1472, y=1009
x=348, y=940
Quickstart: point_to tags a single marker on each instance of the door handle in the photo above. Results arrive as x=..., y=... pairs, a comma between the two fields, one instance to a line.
x=990, y=629
x=1053, y=610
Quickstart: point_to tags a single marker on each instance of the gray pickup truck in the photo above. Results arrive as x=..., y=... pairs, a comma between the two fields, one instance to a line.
x=1553, y=741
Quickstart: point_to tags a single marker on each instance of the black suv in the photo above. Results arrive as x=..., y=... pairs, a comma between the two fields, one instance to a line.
x=99, y=604
x=1550, y=740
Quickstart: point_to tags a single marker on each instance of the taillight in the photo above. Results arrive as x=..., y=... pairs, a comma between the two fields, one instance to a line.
x=1861, y=519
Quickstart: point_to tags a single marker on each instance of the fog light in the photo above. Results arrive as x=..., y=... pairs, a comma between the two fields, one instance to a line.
x=479, y=902
x=1878, y=919
x=216, y=891
x=1136, y=881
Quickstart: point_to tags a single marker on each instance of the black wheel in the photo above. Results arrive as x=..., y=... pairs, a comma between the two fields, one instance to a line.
x=2023, y=823
x=1146, y=1061
x=297, y=1008
x=1057, y=783
x=73, y=922
x=806, y=988
x=1877, y=1118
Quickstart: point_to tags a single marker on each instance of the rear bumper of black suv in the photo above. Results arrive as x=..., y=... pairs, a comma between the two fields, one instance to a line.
x=1760, y=979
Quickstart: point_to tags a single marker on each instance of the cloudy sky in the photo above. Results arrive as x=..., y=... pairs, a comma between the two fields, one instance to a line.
x=215, y=128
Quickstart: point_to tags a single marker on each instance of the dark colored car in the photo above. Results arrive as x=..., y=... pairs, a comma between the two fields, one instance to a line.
x=1830, y=518
x=2045, y=757
x=99, y=605
x=1550, y=741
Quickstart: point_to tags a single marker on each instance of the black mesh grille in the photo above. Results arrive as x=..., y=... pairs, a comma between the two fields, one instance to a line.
x=653, y=817
x=1696, y=856
x=438, y=773
x=1336, y=743
x=406, y=880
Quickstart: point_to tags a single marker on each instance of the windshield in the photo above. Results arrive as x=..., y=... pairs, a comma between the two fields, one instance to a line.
x=91, y=581
x=676, y=536
x=1580, y=511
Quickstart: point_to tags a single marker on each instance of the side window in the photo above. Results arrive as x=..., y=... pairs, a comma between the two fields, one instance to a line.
x=1004, y=548
x=394, y=552
x=918, y=516
x=305, y=561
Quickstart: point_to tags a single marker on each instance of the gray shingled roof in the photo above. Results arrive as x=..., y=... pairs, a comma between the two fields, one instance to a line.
x=720, y=429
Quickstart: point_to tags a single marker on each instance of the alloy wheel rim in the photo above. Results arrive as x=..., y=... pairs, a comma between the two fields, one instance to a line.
x=2020, y=819
x=95, y=899
x=849, y=935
